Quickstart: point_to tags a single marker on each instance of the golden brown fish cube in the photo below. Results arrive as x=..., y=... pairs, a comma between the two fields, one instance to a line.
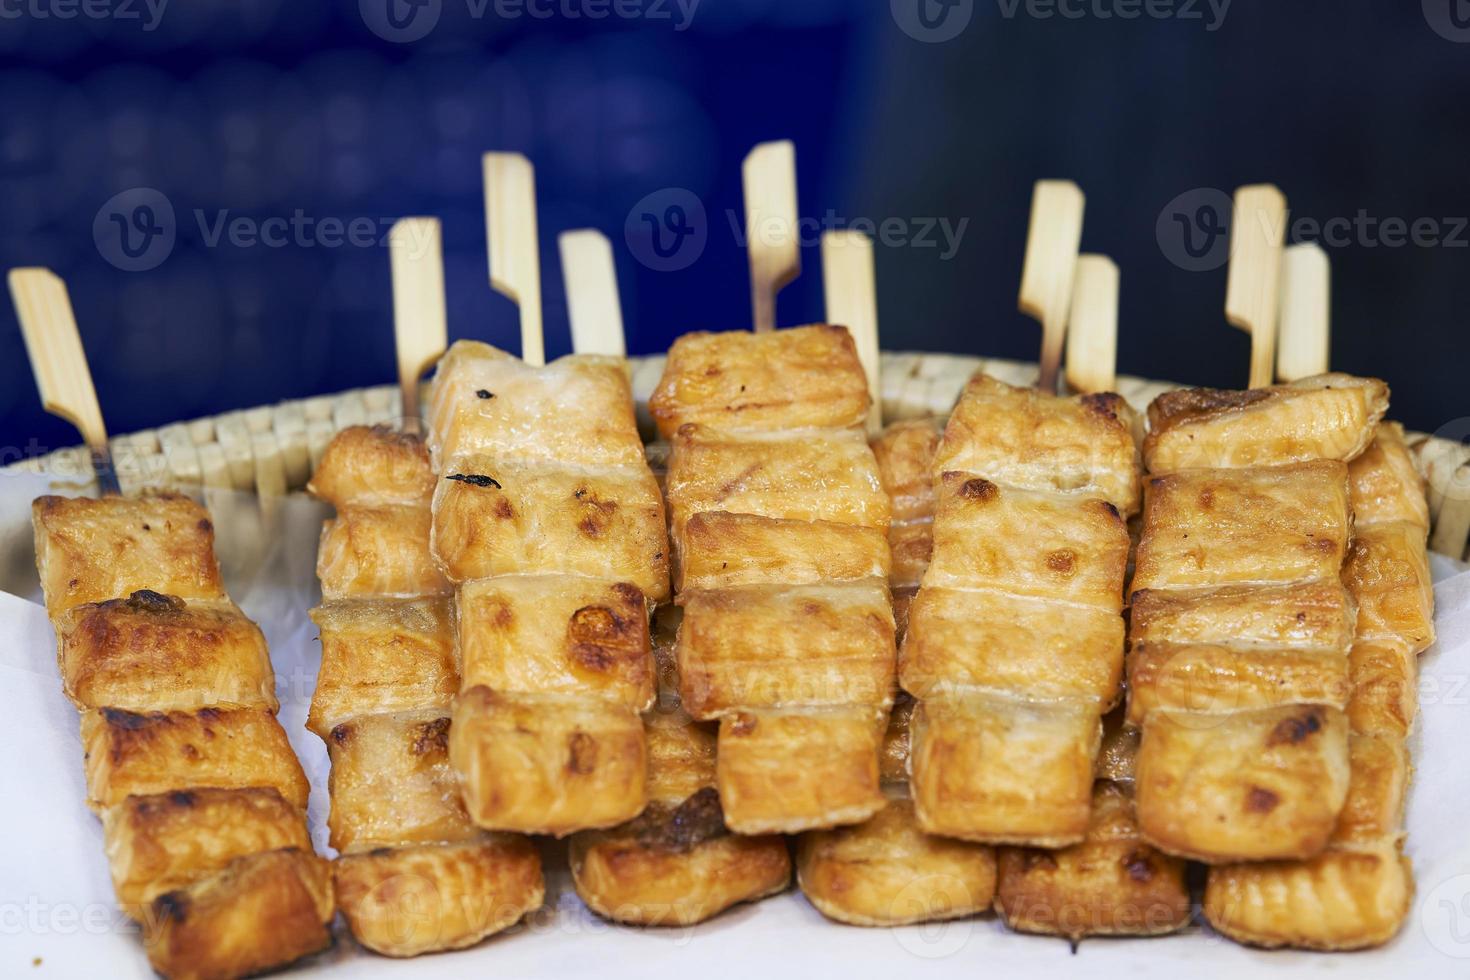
x=1270, y=525
x=786, y=379
x=1329, y=417
x=995, y=770
x=157, y=652
x=1245, y=786
x=378, y=551
x=1023, y=438
x=380, y=656
x=502, y=517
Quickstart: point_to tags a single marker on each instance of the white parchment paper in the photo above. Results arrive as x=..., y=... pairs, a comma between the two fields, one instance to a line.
x=58, y=917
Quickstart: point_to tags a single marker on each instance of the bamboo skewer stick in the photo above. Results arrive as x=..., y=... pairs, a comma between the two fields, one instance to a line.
x=591, y=282
x=1257, y=233
x=60, y=364
x=510, y=227
x=768, y=177
x=420, y=324
x=1304, y=333
x=1052, y=241
x=1092, y=326
x=852, y=302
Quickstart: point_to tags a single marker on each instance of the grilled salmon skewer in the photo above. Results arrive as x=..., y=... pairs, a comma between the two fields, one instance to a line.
x=414, y=875
x=202, y=799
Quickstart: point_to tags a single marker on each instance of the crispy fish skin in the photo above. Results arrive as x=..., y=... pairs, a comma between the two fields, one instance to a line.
x=888, y=872
x=795, y=378
x=156, y=652
x=381, y=656
x=496, y=516
x=804, y=475
x=547, y=764
x=164, y=841
x=379, y=550
x=1327, y=417
x=95, y=550
x=1388, y=572
x=1019, y=437
x=1111, y=884
x=723, y=550
x=262, y=911
x=373, y=465
x=159, y=751
x=1242, y=786
x=423, y=898
x=999, y=770
x=576, y=411
x=838, y=783
x=1269, y=525
x=772, y=646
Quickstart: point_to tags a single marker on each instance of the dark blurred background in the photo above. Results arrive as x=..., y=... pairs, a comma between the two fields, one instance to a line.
x=933, y=115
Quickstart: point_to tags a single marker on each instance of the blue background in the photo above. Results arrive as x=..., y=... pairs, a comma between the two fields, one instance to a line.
x=261, y=108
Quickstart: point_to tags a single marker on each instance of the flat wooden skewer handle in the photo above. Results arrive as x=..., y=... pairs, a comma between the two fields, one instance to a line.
x=591, y=282
x=1257, y=233
x=1092, y=327
x=1304, y=335
x=768, y=176
x=420, y=324
x=1052, y=242
x=852, y=302
x=60, y=364
x=510, y=227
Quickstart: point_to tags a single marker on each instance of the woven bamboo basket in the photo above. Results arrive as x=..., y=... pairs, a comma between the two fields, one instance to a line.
x=271, y=450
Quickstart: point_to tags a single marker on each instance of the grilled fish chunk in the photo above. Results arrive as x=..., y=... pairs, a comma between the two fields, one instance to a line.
x=381, y=656
x=1111, y=884
x=770, y=646
x=1261, y=526
x=1388, y=572
x=158, y=751
x=422, y=898
x=803, y=475
x=575, y=411
x=391, y=783
x=724, y=550
x=1385, y=484
x=1026, y=543
x=1244, y=786
x=999, y=770
x=165, y=841
x=802, y=377
x=157, y=652
x=1304, y=615
x=547, y=763
x=378, y=550
x=503, y=517
x=95, y=550
x=263, y=910
x=367, y=466
x=1327, y=417
x=1019, y=437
